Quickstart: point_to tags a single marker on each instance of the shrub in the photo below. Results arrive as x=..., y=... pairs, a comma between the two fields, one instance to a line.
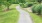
x=40, y=9
x=33, y=8
x=24, y=5
x=39, y=1
x=37, y=9
x=2, y=7
x=27, y=4
x=30, y=4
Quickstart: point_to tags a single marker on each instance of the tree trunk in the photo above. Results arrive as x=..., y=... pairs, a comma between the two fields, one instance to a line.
x=0, y=5
x=7, y=7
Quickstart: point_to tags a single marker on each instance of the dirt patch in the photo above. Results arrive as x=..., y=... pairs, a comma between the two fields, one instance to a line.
x=28, y=9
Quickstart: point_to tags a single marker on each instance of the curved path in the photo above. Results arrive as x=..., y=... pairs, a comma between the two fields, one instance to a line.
x=24, y=16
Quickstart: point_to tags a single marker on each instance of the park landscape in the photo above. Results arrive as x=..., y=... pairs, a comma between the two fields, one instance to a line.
x=20, y=11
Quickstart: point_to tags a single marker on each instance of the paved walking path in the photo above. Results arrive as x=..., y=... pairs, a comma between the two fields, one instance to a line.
x=24, y=16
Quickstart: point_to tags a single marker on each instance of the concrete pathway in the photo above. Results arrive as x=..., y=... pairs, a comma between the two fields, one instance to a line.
x=24, y=16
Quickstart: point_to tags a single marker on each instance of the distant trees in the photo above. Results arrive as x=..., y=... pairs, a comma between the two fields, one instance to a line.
x=39, y=1
x=34, y=0
x=22, y=1
x=7, y=3
x=1, y=3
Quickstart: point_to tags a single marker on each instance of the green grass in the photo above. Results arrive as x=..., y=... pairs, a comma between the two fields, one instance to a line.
x=10, y=16
x=36, y=18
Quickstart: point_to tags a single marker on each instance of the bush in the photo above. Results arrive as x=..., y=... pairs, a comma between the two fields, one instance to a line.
x=27, y=4
x=37, y=9
x=40, y=9
x=2, y=8
x=39, y=1
x=33, y=8
x=24, y=5
x=30, y=4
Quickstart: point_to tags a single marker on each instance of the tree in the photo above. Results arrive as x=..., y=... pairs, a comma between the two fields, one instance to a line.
x=7, y=4
x=0, y=3
x=39, y=1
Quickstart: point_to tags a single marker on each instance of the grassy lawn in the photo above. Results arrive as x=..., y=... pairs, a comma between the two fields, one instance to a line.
x=36, y=18
x=10, y=16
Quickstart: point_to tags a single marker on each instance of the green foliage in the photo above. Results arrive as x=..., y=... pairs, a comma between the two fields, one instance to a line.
x=37, y=9
x=39, y=1
x=33, y=7
x=2, y=8
x=30, y=0
x=14, y=1
x=7, y=3
x=21, y=1
x=24, y=5
x=27, y=4
x=30, y=4
x=21, y=4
